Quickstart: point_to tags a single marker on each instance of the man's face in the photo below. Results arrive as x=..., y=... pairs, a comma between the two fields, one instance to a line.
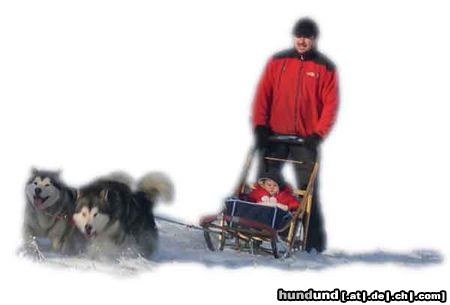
x=303, y=44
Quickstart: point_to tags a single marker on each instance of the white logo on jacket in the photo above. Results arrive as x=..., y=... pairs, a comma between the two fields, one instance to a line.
x=312, y=74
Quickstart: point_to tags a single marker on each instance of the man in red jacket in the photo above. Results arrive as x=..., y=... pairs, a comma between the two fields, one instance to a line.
x=297, y=95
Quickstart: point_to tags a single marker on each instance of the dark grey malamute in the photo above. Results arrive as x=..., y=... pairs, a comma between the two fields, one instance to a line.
x=111, y=209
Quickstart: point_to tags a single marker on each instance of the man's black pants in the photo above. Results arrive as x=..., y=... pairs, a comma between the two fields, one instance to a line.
x=316, y=235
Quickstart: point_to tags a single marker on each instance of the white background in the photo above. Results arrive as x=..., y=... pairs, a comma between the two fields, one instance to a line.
x=94, y=86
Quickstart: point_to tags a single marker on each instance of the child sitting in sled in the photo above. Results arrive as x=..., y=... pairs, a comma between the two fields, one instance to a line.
x=271, y=190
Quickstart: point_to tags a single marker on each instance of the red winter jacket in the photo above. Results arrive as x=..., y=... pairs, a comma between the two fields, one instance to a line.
x=284, y=196
x=297, y=94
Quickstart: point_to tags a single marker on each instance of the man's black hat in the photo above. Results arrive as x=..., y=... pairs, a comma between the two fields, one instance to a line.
x=306, y=27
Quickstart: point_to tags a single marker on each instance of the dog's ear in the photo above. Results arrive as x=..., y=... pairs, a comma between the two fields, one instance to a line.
x=107, y=196
x=77, y=194
x=34, y=171
x=104, y=195
x=110, y=201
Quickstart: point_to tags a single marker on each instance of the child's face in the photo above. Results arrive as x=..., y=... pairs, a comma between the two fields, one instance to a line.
x=270, y=186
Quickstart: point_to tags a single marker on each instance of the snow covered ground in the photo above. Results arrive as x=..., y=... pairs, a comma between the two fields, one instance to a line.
x=181, y=245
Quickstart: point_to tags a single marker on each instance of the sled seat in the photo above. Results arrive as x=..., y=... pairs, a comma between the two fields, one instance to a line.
x=240, y=211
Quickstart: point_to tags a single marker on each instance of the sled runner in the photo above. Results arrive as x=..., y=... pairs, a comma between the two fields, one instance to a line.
x=255, y=227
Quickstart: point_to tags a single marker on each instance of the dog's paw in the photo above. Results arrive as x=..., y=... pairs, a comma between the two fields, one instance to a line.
x=31, y=250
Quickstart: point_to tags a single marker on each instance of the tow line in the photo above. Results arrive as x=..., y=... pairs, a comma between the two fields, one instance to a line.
x=190, y=226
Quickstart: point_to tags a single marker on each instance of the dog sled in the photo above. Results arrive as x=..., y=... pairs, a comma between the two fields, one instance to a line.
x=256, y=228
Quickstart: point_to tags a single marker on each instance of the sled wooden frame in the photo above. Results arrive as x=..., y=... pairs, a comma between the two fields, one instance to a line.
x=253, y=233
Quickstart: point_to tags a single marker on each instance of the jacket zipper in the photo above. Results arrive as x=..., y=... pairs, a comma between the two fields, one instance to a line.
x=283, y=68
x=296, y=108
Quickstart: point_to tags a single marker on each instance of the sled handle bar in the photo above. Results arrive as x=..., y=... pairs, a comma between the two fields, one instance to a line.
x=284, y=160
x=288, y=139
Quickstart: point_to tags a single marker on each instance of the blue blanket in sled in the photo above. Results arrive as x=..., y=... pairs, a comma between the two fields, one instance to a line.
x=273, y=217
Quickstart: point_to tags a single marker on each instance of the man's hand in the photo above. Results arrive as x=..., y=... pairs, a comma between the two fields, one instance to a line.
x=262, y=134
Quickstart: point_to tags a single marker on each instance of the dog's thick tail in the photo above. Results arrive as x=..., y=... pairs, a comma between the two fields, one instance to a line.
x=156, y=186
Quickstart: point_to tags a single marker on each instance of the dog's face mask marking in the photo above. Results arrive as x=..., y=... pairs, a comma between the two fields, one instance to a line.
x=91, y=221
x=90, y=217
x=42, y=192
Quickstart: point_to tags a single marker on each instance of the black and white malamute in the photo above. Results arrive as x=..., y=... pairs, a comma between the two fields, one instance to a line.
x=111, y=209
